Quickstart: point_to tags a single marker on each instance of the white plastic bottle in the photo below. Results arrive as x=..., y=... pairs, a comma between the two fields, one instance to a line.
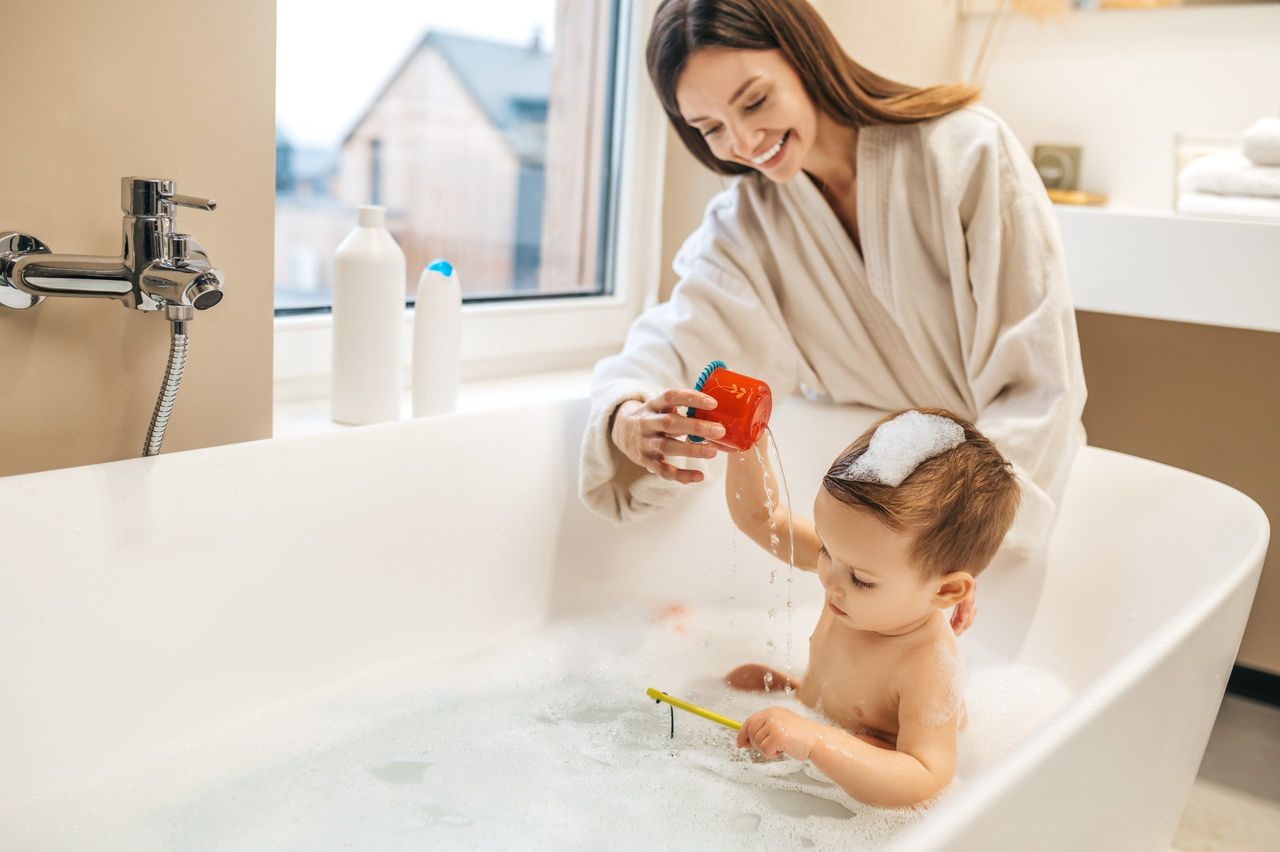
x=437, y=340
x=368, y=315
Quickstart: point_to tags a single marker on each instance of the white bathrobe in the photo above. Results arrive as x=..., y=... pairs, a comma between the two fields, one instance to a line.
x=958, y=299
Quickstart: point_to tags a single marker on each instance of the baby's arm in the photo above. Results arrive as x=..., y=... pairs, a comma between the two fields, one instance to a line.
x=745, y=483
x=921, y=766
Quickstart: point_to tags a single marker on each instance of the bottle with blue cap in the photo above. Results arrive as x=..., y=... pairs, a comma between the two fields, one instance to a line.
x=437, y=340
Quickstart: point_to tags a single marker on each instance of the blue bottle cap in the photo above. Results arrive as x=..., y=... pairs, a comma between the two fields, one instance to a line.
x=442, y=266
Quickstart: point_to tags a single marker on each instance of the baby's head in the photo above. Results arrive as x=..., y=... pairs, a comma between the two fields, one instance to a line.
x=895, y=548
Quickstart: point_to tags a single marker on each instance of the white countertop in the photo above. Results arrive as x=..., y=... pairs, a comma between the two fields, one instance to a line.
x=1165, y=266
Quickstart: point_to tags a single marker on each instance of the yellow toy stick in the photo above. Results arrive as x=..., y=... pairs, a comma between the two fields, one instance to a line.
x=658, y=695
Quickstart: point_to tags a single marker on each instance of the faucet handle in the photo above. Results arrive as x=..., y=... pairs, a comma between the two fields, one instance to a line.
x=150, y=197
x=193, y=201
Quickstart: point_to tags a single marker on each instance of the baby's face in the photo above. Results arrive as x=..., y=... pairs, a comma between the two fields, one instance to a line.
x=866, y=570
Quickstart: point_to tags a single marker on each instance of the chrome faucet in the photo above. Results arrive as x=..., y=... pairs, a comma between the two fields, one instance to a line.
x=157, y=268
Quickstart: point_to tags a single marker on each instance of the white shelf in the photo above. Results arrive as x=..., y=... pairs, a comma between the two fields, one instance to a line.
x=1160, y=265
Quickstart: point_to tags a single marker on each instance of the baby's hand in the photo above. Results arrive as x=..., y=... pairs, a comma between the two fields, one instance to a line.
x=776, y=731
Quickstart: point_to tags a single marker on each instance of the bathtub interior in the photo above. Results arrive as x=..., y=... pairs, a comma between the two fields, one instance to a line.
x=150, y=603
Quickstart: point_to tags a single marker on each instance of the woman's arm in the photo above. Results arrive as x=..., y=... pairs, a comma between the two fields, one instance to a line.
x=1022, y=355
x=750, y=489
x=722, y=308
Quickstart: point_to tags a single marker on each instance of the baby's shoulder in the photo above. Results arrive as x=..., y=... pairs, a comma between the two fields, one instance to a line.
x=934, y=658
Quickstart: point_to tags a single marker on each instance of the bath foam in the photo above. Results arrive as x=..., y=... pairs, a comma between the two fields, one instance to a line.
x=1005, y=704
x=900, y=445
x=546, y=742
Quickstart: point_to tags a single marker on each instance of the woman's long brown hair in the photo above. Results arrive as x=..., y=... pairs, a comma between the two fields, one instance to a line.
x=852, y=95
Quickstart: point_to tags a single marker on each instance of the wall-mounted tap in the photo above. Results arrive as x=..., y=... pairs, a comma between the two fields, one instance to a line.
x=157, y=268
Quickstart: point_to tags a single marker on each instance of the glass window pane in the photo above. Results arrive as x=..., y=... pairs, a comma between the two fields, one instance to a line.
x=482, y=127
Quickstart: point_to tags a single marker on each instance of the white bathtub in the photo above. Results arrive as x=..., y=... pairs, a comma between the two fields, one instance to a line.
x=145, y=604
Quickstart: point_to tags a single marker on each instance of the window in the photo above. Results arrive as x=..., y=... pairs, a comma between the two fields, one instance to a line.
x=483, y=127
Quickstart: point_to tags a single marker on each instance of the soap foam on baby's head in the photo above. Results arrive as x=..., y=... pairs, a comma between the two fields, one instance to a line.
x=898, y=446
x=931, y=473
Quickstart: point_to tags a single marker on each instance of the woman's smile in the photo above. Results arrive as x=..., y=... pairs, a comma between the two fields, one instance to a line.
x=773, y=155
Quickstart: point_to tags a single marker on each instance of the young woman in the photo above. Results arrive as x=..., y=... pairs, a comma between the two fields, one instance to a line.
x=881, y=245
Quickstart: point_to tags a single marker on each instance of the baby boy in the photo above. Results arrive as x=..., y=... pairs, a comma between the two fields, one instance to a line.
x=905, y=520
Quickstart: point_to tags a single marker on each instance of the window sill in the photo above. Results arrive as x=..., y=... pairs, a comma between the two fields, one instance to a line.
x=311, y=416
x=498, y=340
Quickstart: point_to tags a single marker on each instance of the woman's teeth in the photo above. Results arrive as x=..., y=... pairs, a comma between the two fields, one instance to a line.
x=772, y=152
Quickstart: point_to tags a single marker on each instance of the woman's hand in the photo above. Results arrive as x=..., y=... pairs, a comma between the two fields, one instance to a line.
x=963, y=615
x=651, y=433
x=776, y=731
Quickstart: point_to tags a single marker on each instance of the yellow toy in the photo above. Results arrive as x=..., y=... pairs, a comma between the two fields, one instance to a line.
x=658, y=695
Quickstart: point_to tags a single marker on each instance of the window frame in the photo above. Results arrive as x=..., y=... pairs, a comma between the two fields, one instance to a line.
x=508, y=336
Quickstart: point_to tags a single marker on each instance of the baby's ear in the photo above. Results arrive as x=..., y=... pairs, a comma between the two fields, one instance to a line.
x=952, y=588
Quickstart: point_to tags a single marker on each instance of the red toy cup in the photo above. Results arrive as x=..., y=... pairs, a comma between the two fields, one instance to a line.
x=743, y=405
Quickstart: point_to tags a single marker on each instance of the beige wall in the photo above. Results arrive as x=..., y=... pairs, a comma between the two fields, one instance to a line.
x=1218, y=419
x=153, y=89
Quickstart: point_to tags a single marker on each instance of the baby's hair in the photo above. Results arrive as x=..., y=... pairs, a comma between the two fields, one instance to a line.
x=958, y=504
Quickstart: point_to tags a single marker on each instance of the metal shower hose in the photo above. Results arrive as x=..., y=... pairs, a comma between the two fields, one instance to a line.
x=168, y=389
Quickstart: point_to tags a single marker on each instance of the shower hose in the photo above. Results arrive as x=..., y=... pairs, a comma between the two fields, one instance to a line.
x=169, y=388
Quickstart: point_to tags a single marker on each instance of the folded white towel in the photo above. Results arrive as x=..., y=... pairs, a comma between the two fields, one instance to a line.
x=1229, y=207
x=1262, y=142
x=1230, y=174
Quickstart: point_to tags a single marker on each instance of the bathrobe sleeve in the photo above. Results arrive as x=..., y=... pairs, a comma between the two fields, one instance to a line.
x=1023, y=358
x=722, y=308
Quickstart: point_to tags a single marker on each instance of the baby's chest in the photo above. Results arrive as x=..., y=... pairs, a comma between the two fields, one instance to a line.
x=852, y=690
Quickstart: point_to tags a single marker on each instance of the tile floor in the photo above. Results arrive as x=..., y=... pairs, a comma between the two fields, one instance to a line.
x=1235, y=804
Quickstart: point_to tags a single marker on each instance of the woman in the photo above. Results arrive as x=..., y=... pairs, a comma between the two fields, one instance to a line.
x=881, y=245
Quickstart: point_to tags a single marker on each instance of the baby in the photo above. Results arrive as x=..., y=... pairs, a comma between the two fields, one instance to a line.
x=905, y=520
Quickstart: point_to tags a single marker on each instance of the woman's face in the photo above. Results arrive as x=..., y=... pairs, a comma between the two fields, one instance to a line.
x=751, y=108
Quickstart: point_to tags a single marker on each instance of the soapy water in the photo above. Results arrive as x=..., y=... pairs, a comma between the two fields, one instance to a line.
x=548, y=742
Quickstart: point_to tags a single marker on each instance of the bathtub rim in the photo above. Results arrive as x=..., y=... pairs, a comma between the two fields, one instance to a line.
x=939, y=826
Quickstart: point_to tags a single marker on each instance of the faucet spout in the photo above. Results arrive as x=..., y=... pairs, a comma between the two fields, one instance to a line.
x=67, y=275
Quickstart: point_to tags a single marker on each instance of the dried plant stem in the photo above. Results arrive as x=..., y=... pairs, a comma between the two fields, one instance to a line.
x=1003, y=29
x=995, y=18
